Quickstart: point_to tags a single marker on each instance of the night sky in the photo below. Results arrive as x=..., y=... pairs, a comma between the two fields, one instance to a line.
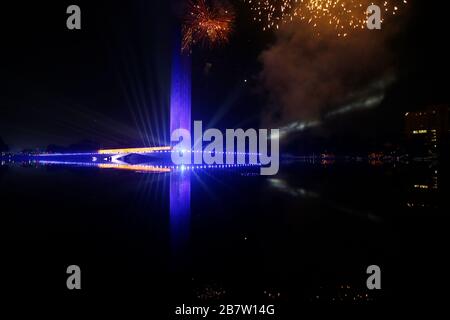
x=109, y=82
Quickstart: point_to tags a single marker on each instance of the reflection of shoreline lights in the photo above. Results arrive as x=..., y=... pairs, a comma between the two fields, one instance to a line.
x=148, y=168
x=138, y=168
x=295, y=192
x=115, y=159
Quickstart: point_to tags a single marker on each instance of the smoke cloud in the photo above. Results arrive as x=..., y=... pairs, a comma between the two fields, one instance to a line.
x=309, y=75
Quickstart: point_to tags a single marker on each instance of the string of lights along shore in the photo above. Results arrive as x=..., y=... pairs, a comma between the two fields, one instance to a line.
x=344, y=16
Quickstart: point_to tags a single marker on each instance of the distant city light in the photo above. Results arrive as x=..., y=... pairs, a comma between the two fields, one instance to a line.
x=420, y=131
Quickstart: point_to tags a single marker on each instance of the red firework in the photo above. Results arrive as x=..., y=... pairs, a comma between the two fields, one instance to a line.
x=208, y=25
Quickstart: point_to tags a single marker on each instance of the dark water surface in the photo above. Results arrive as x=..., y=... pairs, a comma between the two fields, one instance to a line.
x=305, y=235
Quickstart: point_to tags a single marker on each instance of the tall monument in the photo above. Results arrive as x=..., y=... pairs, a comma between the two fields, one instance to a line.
x=180, y=118
x=180, y=96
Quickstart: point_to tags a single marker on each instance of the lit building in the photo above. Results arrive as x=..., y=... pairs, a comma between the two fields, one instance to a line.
x=427, y=132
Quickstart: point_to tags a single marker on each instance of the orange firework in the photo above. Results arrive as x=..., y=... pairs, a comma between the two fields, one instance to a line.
x=208, y=25
x=342, y=15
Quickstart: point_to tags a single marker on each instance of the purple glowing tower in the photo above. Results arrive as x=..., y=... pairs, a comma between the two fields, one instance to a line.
x=180, y=183
x=180, y=95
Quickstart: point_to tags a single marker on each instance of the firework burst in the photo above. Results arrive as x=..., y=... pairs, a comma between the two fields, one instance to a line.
x=342, y=15
x=208, y=25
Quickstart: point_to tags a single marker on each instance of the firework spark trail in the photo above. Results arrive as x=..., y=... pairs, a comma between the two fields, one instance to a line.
x=342, y=15
x=208, y=25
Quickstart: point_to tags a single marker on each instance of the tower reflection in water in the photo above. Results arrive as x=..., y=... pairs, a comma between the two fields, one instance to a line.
x=180, y=211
